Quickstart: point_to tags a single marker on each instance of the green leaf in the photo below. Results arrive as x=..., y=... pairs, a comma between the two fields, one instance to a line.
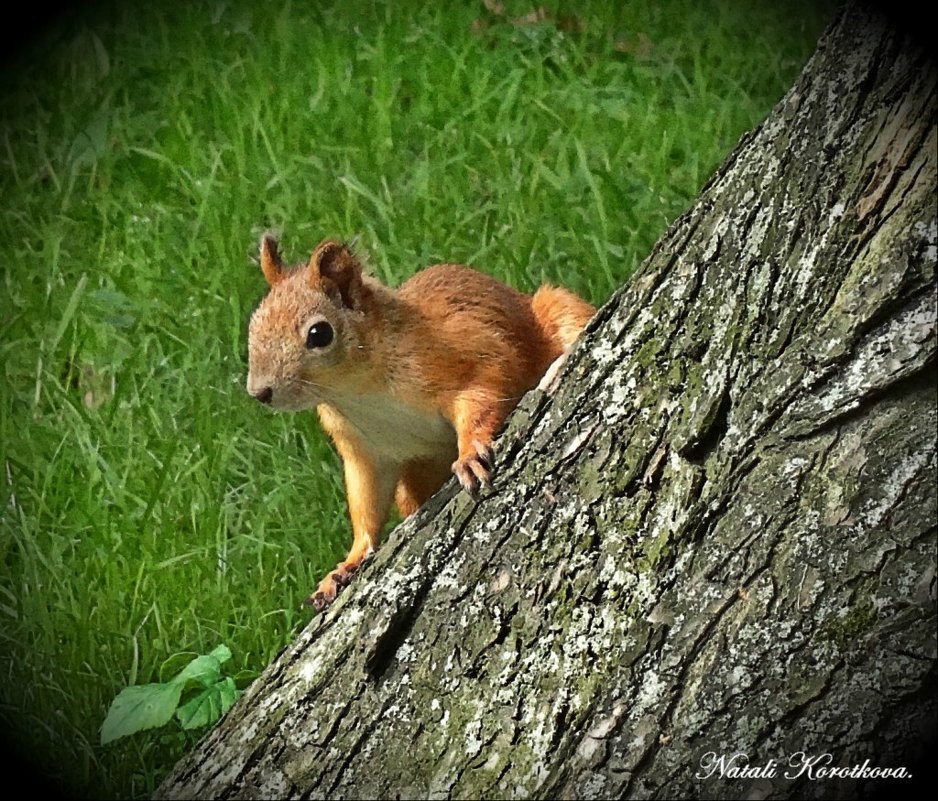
x=144, y=706
x=222, y=653
x=209, y=705
x=206, y=669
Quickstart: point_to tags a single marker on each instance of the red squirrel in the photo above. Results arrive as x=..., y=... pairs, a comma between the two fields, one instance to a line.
x=412, y=384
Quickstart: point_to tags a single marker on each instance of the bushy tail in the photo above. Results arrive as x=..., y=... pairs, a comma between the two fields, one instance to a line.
x=561, y=314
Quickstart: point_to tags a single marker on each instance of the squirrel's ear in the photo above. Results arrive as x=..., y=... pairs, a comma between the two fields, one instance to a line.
x=333, y=266
x=271, y=264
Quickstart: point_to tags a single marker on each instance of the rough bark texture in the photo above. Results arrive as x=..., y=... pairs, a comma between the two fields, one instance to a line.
x=719, y=535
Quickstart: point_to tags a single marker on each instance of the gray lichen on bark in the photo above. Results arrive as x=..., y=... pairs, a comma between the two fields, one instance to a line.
x=718, y=535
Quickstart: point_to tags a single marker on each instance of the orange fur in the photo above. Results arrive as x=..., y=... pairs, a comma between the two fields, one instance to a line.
x=416, y=382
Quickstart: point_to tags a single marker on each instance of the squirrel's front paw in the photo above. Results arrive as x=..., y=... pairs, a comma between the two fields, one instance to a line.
x=475, y=470
x=330, y=587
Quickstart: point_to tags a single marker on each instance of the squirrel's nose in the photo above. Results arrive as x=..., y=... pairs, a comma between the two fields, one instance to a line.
x=265, y=395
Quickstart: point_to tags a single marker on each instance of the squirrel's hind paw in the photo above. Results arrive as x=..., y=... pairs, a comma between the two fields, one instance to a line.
x=330, y=587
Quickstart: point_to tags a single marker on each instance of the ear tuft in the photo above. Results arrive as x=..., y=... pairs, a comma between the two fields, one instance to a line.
x=334, y=267
x=271, y=263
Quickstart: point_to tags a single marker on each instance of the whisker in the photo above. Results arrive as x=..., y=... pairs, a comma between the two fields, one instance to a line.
x=312, y=384
x=505, y=399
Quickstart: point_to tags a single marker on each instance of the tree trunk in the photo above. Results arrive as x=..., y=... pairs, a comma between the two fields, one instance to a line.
x=718, y=535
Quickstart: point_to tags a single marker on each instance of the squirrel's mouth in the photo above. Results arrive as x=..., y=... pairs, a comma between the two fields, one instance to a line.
x=285, y=400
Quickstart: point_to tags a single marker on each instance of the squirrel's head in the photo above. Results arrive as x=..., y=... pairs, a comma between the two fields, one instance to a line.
x=303, y=338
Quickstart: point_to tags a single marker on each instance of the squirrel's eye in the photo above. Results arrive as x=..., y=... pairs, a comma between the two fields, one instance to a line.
x=319, y=335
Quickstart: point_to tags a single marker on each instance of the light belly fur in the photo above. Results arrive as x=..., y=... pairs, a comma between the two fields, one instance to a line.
x=393, y=430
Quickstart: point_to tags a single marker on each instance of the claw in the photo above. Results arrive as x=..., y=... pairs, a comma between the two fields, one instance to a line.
x=330, y=587
x=485, y=454
x=475, y=471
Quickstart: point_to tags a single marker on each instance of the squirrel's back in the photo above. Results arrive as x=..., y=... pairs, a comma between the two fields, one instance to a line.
x=478, y=327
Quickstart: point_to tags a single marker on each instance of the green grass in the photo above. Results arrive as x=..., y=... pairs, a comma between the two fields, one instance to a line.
x=148, y=509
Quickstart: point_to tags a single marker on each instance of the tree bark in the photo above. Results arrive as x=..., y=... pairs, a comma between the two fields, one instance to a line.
x=718, y=535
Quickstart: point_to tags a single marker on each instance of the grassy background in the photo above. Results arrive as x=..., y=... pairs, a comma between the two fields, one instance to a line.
x=148, y=510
